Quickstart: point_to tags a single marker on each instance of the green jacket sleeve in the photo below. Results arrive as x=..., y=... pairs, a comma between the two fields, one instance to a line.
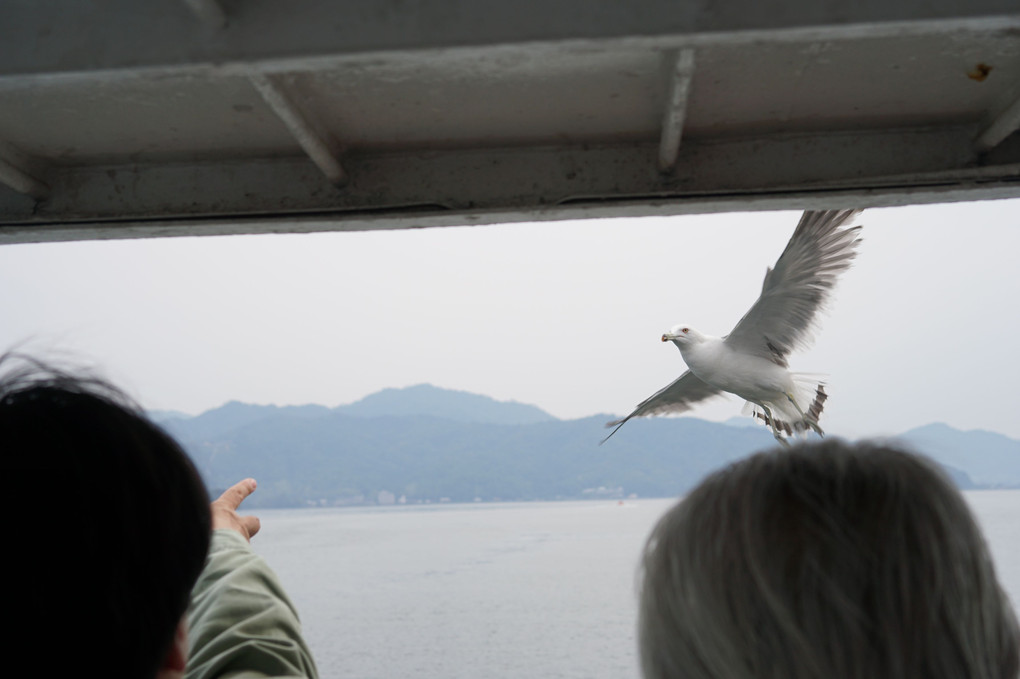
x=240, y=622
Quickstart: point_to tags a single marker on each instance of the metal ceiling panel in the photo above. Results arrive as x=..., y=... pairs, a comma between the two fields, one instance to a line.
x=189, y=117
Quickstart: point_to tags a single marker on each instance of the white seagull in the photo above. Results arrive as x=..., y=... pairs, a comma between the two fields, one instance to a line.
x=751, y=361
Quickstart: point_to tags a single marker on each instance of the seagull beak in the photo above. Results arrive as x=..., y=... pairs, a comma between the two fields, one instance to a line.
x=666, y=337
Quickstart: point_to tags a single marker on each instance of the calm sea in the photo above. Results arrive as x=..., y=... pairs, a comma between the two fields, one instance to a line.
x=493, y=590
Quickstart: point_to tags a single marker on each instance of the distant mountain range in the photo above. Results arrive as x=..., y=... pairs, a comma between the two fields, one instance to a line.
x=426, y=444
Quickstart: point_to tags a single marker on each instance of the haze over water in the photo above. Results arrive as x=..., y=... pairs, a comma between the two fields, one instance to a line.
x=494, y=590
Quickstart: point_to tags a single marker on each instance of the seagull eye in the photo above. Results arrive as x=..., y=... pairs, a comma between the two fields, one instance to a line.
x=684, y=331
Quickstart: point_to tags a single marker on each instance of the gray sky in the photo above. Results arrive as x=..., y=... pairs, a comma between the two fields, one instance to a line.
x=563, y=315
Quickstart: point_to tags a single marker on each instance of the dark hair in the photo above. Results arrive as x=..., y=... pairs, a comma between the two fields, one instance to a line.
x=824, y=560
x=110, y=524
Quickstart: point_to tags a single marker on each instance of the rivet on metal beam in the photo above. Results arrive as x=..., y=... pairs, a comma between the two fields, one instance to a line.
x=676, y=108
x=208, y=12
x=317, y=148
x=14, y=174
x=1004, y=125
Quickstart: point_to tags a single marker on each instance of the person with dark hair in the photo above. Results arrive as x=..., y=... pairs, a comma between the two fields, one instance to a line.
x=108, y=530
x=825, y=560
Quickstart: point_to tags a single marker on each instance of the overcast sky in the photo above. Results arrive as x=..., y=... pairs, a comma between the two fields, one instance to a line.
x=564, y=315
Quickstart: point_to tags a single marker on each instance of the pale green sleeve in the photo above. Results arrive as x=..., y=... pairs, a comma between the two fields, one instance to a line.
x=240, y=622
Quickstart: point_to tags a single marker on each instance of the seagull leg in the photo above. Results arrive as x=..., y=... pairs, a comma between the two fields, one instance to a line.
x=772, y=423
x=811, y=422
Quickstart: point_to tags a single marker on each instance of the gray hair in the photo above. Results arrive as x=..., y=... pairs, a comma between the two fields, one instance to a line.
x=825, y=560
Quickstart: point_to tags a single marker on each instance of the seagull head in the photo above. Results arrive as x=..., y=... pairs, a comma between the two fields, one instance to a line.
x=682, y=335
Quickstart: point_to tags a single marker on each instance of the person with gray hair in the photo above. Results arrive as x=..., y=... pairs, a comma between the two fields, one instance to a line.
x=831, y=560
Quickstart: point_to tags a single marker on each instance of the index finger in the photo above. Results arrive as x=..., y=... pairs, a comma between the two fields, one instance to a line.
x=235, y=495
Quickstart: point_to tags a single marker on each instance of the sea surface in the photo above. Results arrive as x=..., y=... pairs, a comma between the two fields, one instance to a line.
x=536, y=590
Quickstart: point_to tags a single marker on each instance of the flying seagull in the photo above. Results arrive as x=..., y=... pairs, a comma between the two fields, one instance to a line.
x=751, y=361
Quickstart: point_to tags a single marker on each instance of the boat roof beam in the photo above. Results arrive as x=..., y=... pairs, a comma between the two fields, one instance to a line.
x=186, y=117
x=676, y=107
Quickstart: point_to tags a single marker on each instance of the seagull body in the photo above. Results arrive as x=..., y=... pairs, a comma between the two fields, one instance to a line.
x=720, y=366
x=751, y=361
x=785, y=401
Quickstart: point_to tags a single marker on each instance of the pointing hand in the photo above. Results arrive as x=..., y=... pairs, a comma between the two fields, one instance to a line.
x=224, y=510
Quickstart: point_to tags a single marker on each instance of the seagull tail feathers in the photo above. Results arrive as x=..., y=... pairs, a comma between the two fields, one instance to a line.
x=789, y=420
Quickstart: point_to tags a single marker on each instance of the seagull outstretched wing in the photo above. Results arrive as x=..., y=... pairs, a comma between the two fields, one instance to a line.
x=678, y=397
x=798, y=286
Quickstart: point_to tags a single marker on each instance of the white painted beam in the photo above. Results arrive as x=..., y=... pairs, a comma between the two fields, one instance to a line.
x=314, y=144
x=1005, y=124
x=673, y=118
x=14, y=172
x=208, y=12
x=45, y=232
x=868, y=166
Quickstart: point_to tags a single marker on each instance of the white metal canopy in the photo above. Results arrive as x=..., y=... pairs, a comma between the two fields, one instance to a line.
x=187, y=117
